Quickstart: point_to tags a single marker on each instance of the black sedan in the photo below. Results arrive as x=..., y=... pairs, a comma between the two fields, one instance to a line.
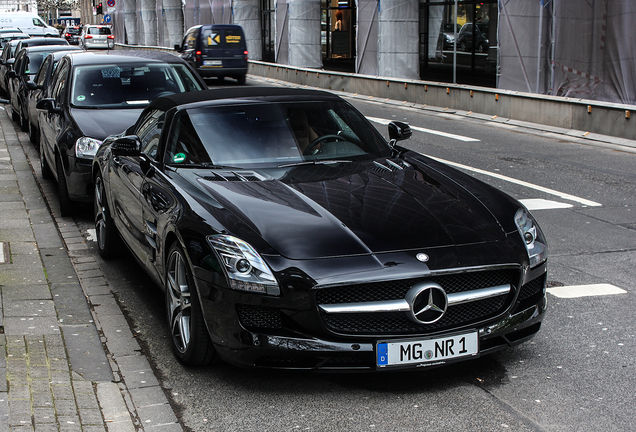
x=92, y=96
x=26, y=65
x=286, y=232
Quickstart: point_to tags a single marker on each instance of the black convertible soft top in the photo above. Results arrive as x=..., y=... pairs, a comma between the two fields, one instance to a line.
x=167, y=102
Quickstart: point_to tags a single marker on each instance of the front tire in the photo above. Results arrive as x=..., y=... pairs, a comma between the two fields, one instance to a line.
x=190, y=339
x=66, y=205
x=108, y=240
x=44, y=165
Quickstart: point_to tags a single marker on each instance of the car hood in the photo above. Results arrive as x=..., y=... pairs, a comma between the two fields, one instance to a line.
x=100, y=123
x=323, y=211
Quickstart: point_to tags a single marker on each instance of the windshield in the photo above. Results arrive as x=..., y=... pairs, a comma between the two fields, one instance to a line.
x=134, y=86
x=273, y=135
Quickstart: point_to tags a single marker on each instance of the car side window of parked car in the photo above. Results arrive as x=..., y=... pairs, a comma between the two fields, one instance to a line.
x=60, y=83
x=149, y=132
x=41, y=75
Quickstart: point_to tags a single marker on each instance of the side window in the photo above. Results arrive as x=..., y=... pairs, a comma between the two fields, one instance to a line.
x=149, y=132
x=59, y=83
x=184, y=146
x=191, y=39
x=41, y=75
x=17, y=64
x=38, y=23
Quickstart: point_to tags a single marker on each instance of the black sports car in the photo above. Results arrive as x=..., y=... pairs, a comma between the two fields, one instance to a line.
x=286, y=232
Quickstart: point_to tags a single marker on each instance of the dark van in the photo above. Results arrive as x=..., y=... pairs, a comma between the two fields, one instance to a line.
x=216, y=50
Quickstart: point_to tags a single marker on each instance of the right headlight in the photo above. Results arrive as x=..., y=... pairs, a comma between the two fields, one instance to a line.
x=244, y=267
x=532, y=237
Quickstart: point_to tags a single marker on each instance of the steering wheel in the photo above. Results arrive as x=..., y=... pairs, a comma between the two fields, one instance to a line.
x=308, y=150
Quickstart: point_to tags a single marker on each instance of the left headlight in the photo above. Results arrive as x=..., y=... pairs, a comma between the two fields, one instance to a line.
x=532, y=237
x=86, y=147
x=244, y=267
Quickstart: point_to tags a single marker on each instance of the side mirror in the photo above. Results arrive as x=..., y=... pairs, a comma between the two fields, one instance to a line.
x=12, y=74
x=4, y=101
x=399, y=131
x=47, y=104
x=177, y=48
x=30, y=85
x=126, y=146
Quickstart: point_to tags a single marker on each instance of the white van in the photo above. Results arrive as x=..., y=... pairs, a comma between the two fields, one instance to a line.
x=28, y=22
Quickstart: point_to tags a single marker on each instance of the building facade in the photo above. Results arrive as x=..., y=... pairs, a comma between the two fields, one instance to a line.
x=575, y=48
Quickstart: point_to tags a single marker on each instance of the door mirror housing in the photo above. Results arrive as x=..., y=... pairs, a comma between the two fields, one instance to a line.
x=128, y=145
x=48, y=105
x=399, y=131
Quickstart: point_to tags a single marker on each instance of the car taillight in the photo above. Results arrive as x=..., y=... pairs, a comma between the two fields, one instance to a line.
x=111, y=37
x=198, y=56
x=245, y=52
x=88, y=37
x=67, y=35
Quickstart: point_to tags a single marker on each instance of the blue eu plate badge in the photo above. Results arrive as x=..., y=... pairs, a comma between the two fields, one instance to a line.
x=383, y=354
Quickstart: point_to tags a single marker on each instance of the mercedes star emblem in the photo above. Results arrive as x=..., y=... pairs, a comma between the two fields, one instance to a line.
x=428, y=302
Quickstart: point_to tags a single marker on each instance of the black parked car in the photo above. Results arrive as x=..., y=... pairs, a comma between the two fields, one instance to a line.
x=27, y=63
x=71, y=34
x=95, y=95
x=465, y=38
x=217, y=50
x=38, y=88
x=287, y=233
x=6, y=64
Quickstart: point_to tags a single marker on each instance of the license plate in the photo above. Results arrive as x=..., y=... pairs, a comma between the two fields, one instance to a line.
x=212, y=62
x=427, y=351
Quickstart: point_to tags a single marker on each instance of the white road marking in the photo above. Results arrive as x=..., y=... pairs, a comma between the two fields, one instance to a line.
x=430, y=131
x=2, y=261
x=522, y=183
x=543, y=204
x=577, y=291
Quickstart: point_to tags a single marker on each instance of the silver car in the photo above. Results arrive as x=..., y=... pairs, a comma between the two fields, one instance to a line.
x=97, y=36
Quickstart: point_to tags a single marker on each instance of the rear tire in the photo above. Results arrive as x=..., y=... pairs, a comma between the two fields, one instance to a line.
x=241, y=79
x=190, y=339
x=108, y=240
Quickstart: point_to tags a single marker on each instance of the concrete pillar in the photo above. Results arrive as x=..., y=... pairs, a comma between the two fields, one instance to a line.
x=130, y=21
x=247, y=15
x=398, y=39
x=304, y=33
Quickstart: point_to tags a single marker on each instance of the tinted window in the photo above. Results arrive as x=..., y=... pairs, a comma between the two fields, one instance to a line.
x=34, y=62
x=73, y=30
x=41, y=75
x=129, y=86
x=99, y=30
x=271, y=134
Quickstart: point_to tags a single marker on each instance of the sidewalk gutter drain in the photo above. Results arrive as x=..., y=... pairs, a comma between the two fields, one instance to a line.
x=4, y=252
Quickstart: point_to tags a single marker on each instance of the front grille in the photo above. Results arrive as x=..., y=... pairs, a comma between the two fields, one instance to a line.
x=398, y=322
x=259, y=317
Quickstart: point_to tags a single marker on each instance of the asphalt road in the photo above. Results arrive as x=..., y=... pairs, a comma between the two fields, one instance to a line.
x=578, y=373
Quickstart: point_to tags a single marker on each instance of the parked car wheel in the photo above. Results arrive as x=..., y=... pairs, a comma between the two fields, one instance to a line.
x=241, y=79
x=44, y=165
x=66, y=205
x=24, y=125
x=108, y=241
x=33, y=133
x=191, y=342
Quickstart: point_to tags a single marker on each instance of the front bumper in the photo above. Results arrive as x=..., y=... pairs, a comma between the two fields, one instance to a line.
x=250, y=332
x=267, y=351
x=78, y=180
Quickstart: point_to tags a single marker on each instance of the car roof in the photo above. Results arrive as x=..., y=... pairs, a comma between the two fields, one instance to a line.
x=51, y=48
x=123, y=56
x=240, y=94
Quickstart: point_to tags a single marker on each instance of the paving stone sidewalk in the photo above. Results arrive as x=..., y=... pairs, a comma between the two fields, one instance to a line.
x=70, y=362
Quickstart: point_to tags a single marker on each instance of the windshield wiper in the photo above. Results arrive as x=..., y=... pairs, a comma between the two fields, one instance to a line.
x=315, y=162
x=206, y=165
